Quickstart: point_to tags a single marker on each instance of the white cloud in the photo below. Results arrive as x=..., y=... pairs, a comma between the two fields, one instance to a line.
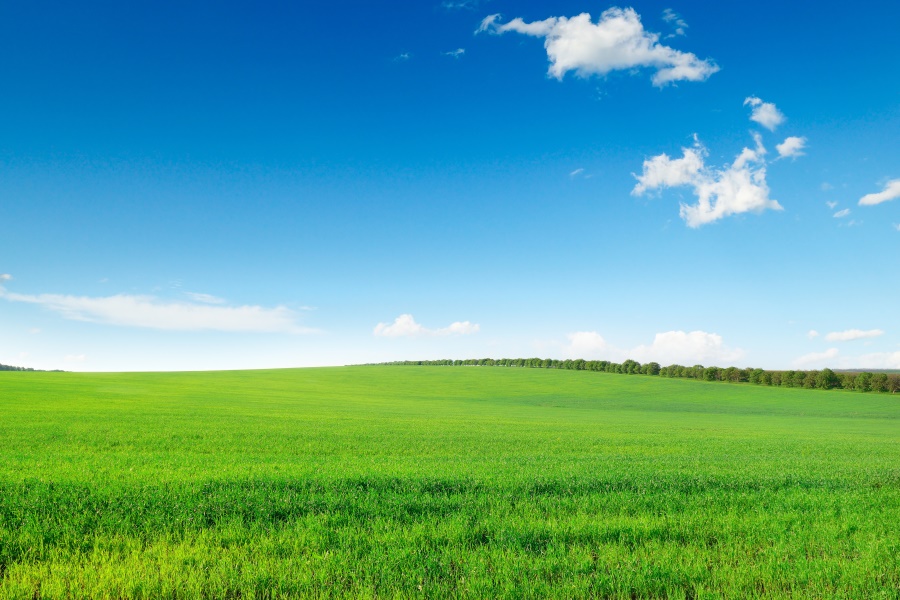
x=831, y=205
x=662, y=171
x=841, y=213
x=791, y=147
x=153, y=313
x=674, y=19
x=738, y=188
x=853, y=334
x=5, y=277
x=764, y=113
x=831, y=358
x=576, y=172
x=817, y=359
x=75, y=358
x=461, y=4
x=617, y=41
x=891, y=191
x=405, y=326
x=877, y=360
x=667, y=348
x=403, y=57
x=687, y=348
x=204, y=298
x=586, y=344
x=455, y=53
x=813, y=334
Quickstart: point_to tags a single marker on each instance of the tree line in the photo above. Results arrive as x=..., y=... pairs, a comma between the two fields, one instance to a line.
x=826, y=379
x=11, y=368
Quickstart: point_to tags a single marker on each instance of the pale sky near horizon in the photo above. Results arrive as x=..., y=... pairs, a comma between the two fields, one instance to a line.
x=220, y=185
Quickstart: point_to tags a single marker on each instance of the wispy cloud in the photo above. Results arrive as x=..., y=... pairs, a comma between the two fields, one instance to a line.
x=890, y=192
x=153, y=313
x=841, y=213
x=406, y=326
x=616, y=42
x=461, y=4
x=674, y=19
x=403, y=57
x=75, y=358
x=853, y=334
x=764, y=113
x=831, y=205
x=791, y=147
x=205, y=298
x=576, y=172
x=5, y=277
x=455, y=53
x=737, y=188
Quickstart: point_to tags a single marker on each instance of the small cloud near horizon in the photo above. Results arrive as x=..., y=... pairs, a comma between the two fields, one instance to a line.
x=406, y=326
x=853, y=334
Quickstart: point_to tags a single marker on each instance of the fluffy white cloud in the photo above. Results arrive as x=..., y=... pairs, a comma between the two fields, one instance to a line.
x=853, y=334
x=586, y=344
x=662, y=171
x=5, y=277
x=813, y=334
x=890, y=192
x=817, y=359
x=841, y=213
x=681, y=347
x=688, y=348
x=831, y=358
x=738, y=188
x=764, y=113
x=791, y=147
x=617, y=41
x=876, y=360
x=153, y=313
x=406, y=326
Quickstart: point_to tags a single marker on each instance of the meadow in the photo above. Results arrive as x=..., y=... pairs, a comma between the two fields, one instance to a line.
x=443, y=482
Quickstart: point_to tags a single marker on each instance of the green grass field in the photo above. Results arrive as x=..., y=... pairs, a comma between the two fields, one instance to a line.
x=443, y=482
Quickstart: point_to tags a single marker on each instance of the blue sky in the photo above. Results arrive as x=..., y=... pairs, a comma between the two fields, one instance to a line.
x=242, y=185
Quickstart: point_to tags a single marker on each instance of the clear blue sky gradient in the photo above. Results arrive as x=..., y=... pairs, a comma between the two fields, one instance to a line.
x=335, y=161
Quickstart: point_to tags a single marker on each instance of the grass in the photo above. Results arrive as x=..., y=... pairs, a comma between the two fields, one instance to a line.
x=443, y=482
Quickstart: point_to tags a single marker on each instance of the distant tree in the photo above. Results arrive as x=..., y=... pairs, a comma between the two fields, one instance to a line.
x=863, y=382
x=826, y=379
x=893, y=383
x=879, y=382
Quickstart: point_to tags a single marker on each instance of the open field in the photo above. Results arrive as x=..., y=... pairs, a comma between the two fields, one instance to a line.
x=443, y=482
